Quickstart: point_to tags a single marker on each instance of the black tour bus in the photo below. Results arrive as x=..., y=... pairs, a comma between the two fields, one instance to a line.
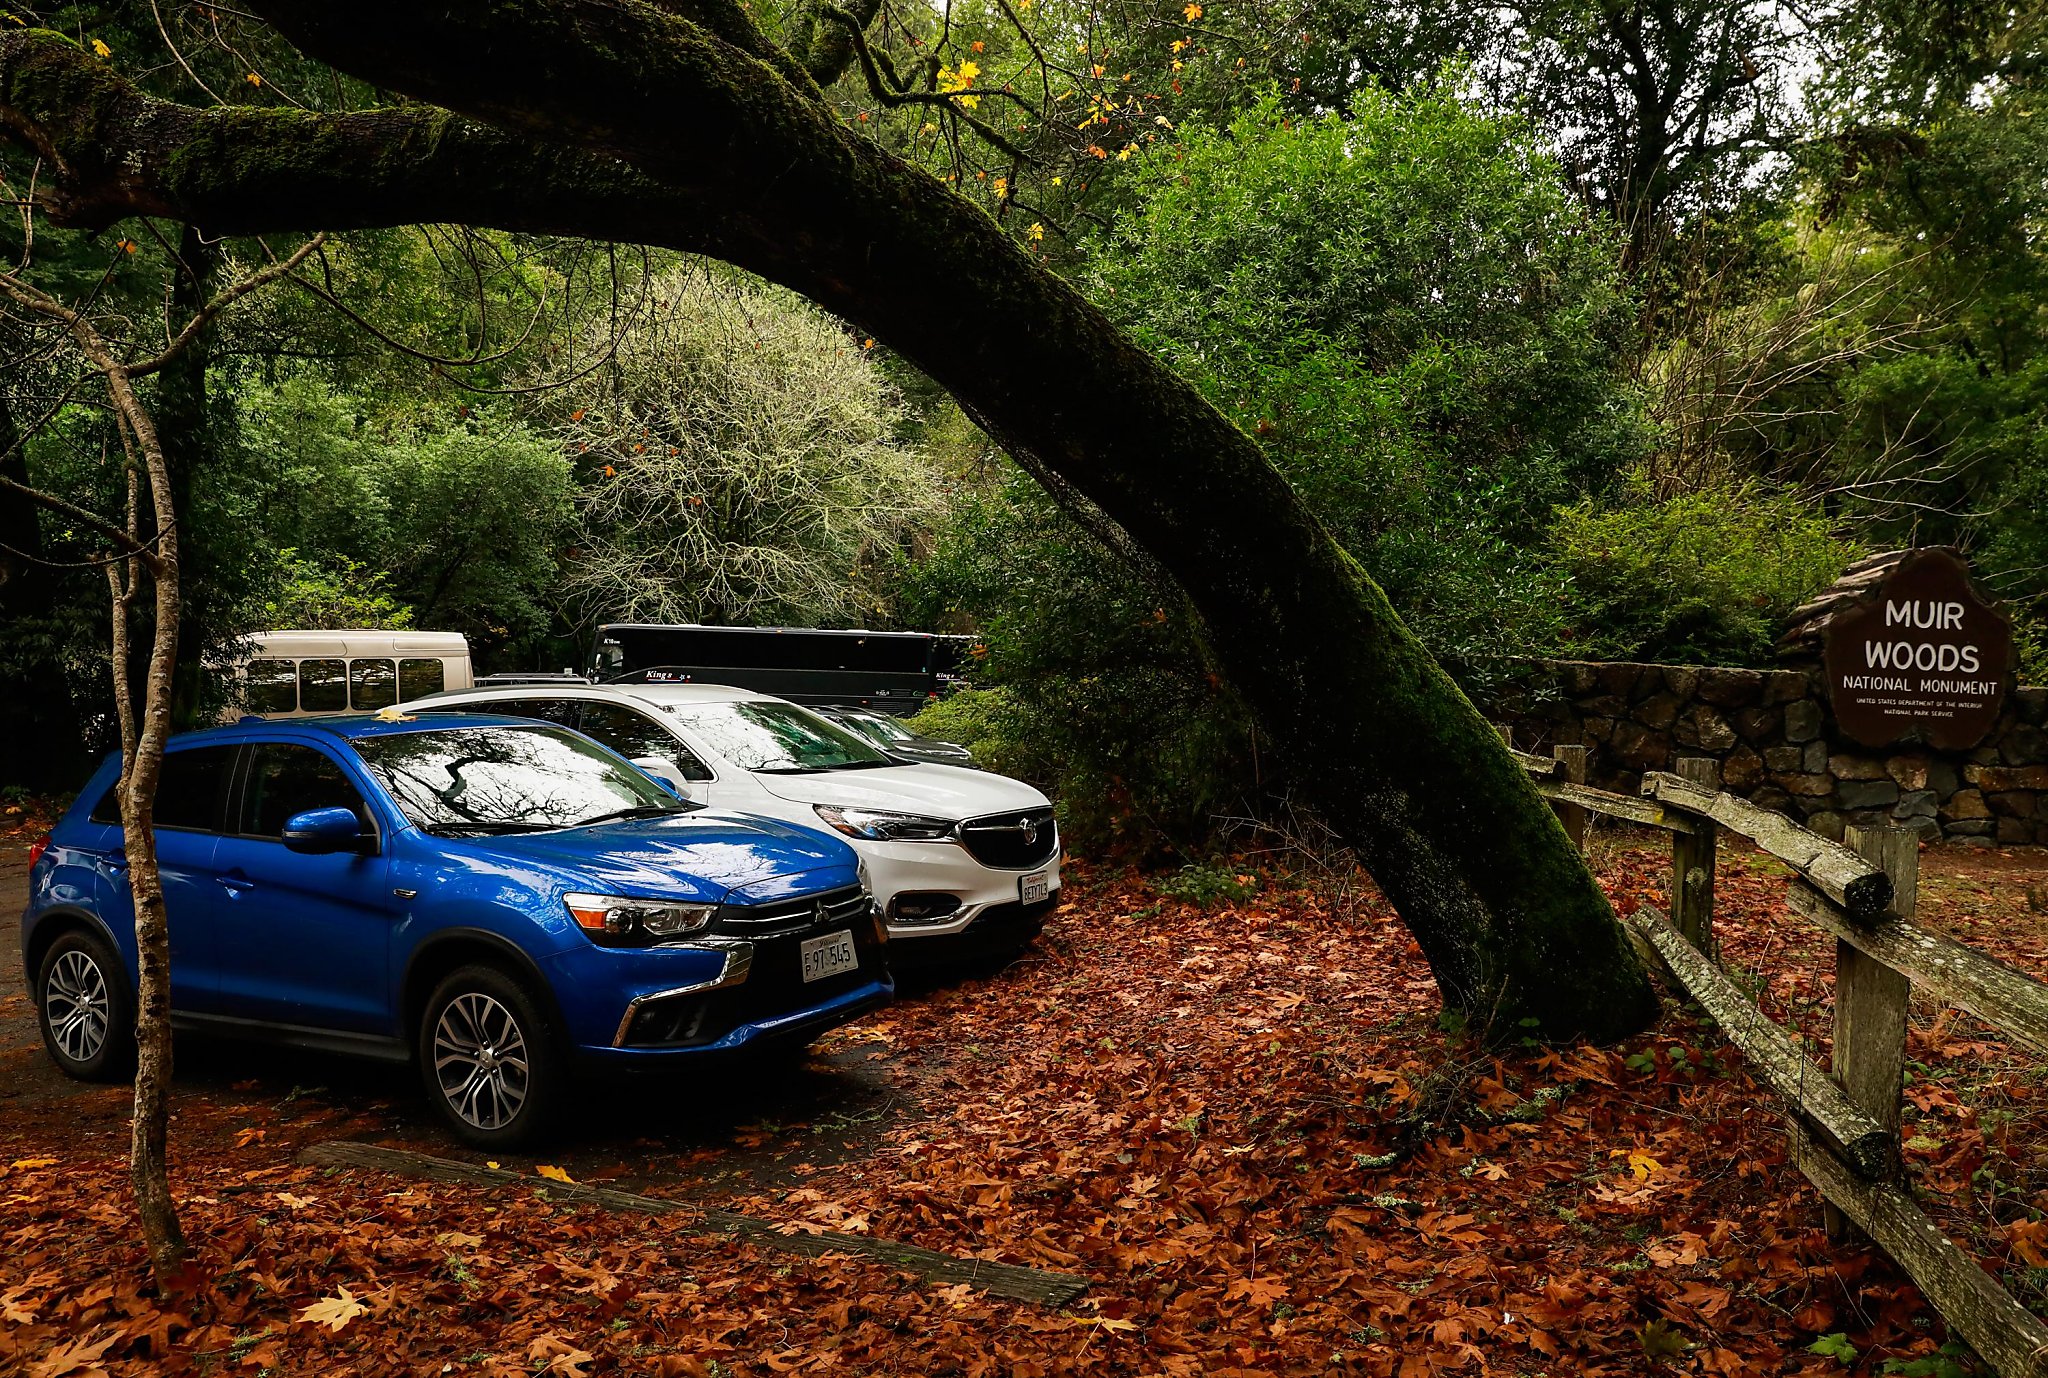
x=894, y=672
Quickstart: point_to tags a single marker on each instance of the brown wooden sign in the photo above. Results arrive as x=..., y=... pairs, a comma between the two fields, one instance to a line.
x=1926, y=657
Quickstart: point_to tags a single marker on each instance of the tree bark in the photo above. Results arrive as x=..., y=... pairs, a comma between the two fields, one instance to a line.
x=751, y=167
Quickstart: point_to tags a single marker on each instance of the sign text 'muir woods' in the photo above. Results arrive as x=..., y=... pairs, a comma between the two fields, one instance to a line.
x=1927, y=657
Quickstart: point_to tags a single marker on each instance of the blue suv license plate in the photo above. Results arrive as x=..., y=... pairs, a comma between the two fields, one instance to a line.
x=828, y=955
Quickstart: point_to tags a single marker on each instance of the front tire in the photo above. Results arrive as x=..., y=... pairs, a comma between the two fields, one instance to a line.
x=86, y=1008
x=491, y=1059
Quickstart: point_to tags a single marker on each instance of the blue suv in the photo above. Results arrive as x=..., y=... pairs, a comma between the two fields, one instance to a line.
x=499, y=900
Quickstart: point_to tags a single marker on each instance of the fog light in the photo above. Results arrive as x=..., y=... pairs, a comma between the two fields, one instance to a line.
x=923, y=906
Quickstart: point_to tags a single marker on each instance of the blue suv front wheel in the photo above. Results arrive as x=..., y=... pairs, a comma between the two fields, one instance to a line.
x=492, y=1060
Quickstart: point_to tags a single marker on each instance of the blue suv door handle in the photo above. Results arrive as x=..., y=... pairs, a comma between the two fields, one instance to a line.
x=236, y=882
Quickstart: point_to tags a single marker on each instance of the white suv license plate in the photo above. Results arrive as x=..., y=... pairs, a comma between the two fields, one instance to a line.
x=1035, y=887
x=828, y=955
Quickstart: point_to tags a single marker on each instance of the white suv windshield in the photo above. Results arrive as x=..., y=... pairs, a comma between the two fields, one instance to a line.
x=507, y=779
x=777, y=738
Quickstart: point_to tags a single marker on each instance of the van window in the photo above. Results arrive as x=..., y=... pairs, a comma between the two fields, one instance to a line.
x=372, y=684
x=273, y=686
x=189, y=792
x=285, y=779
x=417, y=678
x=323, y=686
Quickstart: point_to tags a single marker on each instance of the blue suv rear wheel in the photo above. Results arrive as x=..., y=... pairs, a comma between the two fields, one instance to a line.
x=491, y=1059
x=86, y=1007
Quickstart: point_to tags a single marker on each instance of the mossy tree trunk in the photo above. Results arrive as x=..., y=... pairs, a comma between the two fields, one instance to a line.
x=679, y=126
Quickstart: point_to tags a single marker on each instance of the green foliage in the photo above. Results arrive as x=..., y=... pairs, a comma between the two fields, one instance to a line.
x=1706, y=577
x=739, y=463
x=342, y=594
x=463, y=517
x=1836, y=1347
x=1419, y=322
x=1207, y=884
x=1099, y=691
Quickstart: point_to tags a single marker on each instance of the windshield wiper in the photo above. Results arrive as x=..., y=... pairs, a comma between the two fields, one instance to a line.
x=636, y=811
x=861, y=765
x=484, y=829
x=788, y=770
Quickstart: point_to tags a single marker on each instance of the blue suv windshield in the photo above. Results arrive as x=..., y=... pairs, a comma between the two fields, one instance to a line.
x=507, y=779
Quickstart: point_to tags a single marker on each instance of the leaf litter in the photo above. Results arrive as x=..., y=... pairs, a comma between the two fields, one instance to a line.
x=1244, y=1124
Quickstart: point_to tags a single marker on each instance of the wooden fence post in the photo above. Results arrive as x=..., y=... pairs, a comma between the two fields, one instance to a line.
x=1692, y=861
x=1573, y=816
x=1871, y=999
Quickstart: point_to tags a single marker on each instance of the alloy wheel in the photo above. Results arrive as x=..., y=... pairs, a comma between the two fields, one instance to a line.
x=480, y=1060
x=77, y=1005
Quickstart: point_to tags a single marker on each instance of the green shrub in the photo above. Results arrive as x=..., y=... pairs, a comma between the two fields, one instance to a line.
x=1701, y=578
x=1207, y=884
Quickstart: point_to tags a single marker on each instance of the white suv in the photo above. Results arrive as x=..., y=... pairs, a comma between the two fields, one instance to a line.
x=951, y=853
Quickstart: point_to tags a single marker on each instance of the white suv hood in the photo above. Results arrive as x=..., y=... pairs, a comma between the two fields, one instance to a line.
x=948, y=792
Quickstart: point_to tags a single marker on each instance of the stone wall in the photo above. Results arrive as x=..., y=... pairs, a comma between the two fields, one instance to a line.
x=1777, y=745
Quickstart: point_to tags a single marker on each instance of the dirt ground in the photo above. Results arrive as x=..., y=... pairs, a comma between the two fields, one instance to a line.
x=1243, y=1124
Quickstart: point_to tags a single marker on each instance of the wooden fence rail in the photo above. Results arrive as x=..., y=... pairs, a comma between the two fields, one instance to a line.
x=1844, y=1122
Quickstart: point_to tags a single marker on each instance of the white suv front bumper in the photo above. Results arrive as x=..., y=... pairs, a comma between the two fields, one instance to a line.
x=945, y=868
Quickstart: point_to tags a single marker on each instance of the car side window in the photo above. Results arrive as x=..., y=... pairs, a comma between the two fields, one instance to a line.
x=285, y=779
x=190, y=793
x=634, y=735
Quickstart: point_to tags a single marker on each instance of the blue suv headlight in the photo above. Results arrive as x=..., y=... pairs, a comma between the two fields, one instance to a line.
x=616, y=919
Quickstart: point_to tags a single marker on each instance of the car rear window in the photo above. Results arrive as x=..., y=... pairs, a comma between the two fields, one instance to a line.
x=189, y=793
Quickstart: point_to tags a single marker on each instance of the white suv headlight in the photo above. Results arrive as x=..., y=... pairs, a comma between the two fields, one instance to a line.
x=877, y=825
x=620, y=917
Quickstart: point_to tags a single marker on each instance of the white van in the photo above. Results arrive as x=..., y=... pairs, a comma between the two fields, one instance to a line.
x=298, y=674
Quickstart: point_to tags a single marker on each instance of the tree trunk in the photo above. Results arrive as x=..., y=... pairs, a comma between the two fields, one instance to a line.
x=621, y=121
x=142, y=757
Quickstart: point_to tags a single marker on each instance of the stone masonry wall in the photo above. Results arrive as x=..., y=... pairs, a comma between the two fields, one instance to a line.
x=1777, y=745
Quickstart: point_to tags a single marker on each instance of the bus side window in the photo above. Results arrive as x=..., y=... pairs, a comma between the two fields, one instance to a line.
x=323, y=686
x=273, y=686
x=372, y=684
x=417, y=678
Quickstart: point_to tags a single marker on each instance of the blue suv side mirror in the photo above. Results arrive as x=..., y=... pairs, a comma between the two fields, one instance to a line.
x=320, y=831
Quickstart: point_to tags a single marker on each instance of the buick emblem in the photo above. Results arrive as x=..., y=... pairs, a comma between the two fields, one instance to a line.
x=1028, y=827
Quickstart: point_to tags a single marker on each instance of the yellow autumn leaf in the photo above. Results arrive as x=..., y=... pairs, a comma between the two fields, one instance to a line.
x=553, y=1173
x=1640, y=1164
x=30, y=1164
x=1034, y=232
x=333, y=1312
x=493, y=1162
x=101, y=48
x=255, y=80
x=1193, y=12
